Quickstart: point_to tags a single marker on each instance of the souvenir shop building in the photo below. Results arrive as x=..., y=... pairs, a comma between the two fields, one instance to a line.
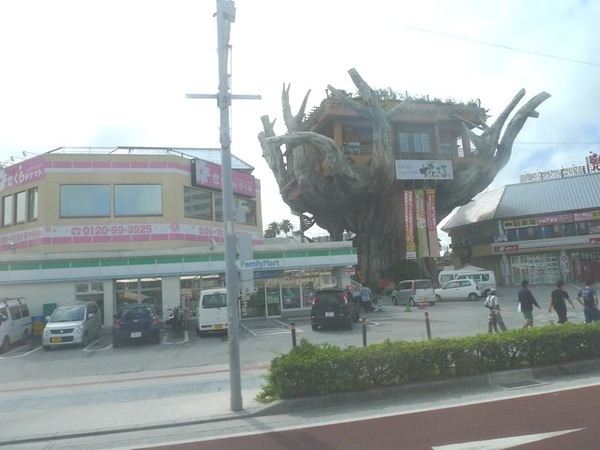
x=144, y=225
x=541, y=231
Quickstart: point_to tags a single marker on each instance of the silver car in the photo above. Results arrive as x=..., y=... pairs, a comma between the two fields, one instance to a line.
x=414, y=292
x=75, y=324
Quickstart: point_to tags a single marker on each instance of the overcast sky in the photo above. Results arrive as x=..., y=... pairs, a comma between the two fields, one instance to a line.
x=115, y=72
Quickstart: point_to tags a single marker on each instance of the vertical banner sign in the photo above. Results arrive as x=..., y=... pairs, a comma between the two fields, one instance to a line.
x=434, y=243
x=422, y=245
x=409, y=207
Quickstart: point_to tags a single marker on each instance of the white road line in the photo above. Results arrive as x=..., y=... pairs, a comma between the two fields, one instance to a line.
x=503, y=443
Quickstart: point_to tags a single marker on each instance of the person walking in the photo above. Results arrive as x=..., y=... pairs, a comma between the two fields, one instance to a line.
x=365, y=298
x=494, y=318
x=527, y=301
x=588, y=297
x=557, y=301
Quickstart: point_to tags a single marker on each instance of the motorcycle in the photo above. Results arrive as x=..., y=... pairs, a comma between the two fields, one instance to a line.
x=176, y=319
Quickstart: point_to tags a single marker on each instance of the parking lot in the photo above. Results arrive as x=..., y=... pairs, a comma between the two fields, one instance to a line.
x=263, y=339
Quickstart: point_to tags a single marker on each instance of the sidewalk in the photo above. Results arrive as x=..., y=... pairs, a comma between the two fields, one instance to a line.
x=40, y=423
x=106, y=404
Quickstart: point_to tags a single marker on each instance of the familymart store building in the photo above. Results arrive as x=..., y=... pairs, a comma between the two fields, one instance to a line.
x=273, y=278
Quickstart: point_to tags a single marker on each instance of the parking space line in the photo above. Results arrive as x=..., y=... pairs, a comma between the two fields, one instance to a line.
x=35, y=349
x=185, y=339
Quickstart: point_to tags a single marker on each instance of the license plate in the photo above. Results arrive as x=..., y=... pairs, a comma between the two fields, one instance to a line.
x=218, y=327
x=329, y=314
x=55, y=340
x=136, y=334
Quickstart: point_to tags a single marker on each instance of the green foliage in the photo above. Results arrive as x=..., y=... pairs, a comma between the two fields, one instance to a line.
x=310, y=369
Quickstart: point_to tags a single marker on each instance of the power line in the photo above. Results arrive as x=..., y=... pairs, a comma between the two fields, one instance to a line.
x=557, y=143
x=546, y=55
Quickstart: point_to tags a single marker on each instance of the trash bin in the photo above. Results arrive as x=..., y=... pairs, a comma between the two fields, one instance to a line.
x=37, y=325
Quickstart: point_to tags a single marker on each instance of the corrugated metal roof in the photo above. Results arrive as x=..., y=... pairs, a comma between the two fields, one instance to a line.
x=482, y=207
x=529, y=199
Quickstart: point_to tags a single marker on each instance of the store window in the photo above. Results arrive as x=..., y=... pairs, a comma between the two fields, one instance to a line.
x=245, y=210
x=91, y=291
x=197, y=203
x=7, y=210
x=138, y=199
x=147, y=291
x=20, y=207
x=32, y=204
x=84, y=200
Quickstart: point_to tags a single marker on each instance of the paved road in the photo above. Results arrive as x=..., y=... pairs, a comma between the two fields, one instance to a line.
x=557, y=420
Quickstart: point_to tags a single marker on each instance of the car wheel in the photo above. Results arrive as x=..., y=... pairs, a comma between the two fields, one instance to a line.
x=431, y=303
x=350, y=324
x=157, y=339
x=314, y=326
x=46, y=348
x=473, y=296
x=116, y=343
x=5, y=344
x=438, y=298
x=394, y=301
x=84, y=341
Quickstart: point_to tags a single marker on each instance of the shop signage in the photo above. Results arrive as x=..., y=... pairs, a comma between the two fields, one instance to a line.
x=208, y=175
x=505, y=248
x=260, y=264
x=23, y=173
x=423, y=169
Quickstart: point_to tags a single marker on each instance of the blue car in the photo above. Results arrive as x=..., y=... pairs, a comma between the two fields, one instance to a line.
x=136, y=323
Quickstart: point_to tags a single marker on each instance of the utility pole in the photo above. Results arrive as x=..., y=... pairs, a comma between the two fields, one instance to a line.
x=226, y=16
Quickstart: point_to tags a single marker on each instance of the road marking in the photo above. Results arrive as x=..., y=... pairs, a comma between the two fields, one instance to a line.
x=35, y=349
x=503, y=443
x=186, y=337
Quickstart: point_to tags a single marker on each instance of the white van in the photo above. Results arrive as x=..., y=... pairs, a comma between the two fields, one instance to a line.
x=212, y=314
x=15, y=322
x=484, y=278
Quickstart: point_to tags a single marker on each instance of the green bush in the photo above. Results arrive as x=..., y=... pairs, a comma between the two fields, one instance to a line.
x=310, y=369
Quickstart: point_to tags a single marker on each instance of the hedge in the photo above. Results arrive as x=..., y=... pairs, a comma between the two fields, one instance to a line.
x=310, y=369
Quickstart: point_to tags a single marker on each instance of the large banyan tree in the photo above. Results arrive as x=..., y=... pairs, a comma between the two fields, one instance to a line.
x=347, y=165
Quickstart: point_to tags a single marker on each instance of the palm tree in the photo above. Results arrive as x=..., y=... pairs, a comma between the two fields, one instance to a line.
x=286, y=226
x=272, y=230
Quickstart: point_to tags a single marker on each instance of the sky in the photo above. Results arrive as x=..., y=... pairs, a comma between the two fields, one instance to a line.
x=107, y=73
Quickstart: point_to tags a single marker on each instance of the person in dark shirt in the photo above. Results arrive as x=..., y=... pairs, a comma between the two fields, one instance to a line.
x=527, y=301
x=557, y=301
x=588, y=297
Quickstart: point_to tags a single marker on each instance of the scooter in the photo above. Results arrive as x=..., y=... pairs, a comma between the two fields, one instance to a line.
x=176, y=319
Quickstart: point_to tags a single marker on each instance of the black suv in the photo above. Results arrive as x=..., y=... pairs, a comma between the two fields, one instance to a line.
x=334, y=307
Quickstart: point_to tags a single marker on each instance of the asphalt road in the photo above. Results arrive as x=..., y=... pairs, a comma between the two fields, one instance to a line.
x=557, y=420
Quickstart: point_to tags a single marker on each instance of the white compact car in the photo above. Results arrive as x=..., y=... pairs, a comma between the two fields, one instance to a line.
x=75, y=324
x=466, y=289
x=15, y=322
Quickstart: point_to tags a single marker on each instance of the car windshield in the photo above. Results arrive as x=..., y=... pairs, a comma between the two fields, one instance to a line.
x=135, y=313
x=423, y=284
x=214, y=301
x=68, y=314
x=329, y=298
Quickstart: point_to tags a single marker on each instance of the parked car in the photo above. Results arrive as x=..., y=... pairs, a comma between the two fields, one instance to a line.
x=135, y=323
x=334, y=307
x=72, y=325
x=15, y=322
x=485, y=278
x=212, y=314
x=464, y=289
x=413, y=292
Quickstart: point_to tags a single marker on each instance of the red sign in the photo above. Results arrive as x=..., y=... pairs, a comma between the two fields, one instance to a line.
x=207, y=174
x=505, y=248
